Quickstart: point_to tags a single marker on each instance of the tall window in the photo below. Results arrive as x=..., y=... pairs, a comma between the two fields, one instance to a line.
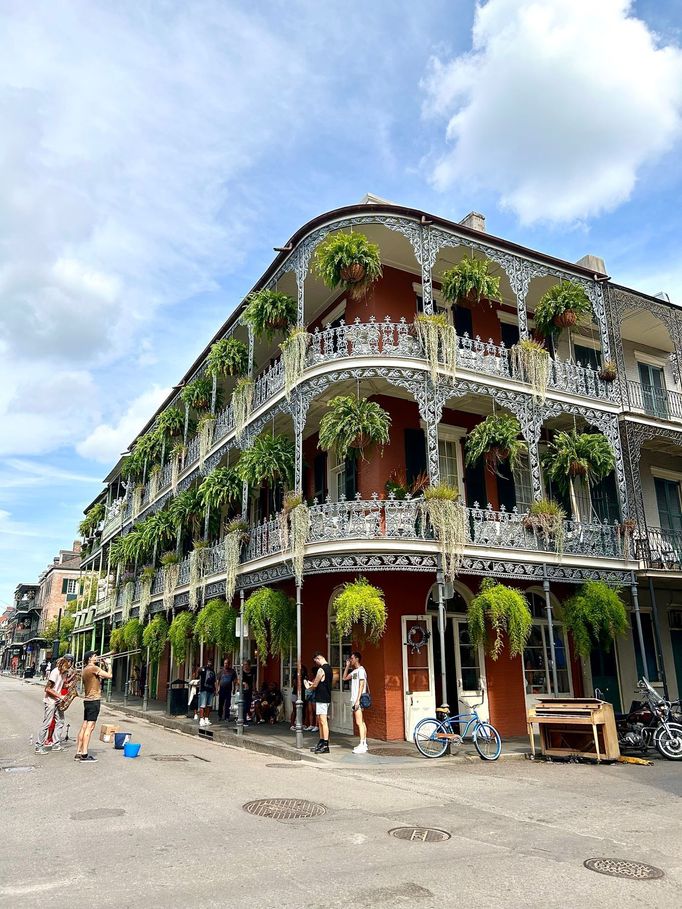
x=537, y=655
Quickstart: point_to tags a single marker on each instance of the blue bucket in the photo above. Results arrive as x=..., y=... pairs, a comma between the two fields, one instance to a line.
x=120, y=739
x=130, y=750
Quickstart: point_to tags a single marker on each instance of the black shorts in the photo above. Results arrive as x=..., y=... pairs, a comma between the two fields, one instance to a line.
x=90, y=711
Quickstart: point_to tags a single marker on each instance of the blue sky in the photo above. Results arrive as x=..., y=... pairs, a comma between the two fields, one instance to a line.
x=154, y=153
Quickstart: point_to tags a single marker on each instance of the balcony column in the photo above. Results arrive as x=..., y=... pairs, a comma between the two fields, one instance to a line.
x=550, y=628
x=638, y=624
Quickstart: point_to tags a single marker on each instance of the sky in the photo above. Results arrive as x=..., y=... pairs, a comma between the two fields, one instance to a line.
x=154, y=152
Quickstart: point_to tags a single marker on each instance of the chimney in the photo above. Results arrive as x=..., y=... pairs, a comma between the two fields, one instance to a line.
x=475, y=221
x=593, y=263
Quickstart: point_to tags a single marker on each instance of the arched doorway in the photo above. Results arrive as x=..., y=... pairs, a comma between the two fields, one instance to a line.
x=340, y=647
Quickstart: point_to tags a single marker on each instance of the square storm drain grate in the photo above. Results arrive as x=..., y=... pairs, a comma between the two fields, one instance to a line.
x=284, y=809
x=639, y=871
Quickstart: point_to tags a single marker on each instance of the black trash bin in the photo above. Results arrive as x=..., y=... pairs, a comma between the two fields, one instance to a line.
x=178, y=698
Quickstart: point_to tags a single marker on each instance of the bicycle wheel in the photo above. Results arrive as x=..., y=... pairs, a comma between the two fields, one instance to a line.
x=425, y=733
x=488, y=742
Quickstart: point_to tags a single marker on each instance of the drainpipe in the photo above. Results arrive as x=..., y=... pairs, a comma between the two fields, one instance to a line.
x=299, y=699
x=550, y=628
x=240, y=690
x=638, y=623
x=441, y=630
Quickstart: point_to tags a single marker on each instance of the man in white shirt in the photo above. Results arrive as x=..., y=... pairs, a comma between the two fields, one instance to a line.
x=53, y=693
x=355, y=672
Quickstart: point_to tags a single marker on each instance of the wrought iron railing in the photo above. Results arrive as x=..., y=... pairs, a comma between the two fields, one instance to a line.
x=657, y=402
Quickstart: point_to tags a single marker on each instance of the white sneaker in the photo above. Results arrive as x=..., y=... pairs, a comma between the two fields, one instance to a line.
x=361, y=748
x=202, y=721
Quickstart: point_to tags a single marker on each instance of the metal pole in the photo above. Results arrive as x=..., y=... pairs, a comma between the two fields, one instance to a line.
x=638, y=623
x=145, y=698
x=441, y=631
x=657, y=638
x=550, y=628
x=240, y=690
x=299, y=699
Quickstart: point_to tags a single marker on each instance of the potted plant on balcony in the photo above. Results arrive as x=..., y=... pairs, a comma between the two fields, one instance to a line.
x=530, y=364
x=242, y=402
x=448, y=517
x=595, y=616
x=171, y=572
x=269, y=312
x=587, y=455
x=505, y=611
x=547, y=519
x=197, y=394
x=608, y=372
x=216, y=624
x=146, y=580
x=353, y=424
x=348, y=261
x=271, y=617
x=470, y=282
x=560, y=307
x=360, y=608
x=236, y=535
x=227, y=357
x=294, y=353
x=154, y=636
x=439, y=341
x=294, y=529
x=180, y=633
x=497, y=440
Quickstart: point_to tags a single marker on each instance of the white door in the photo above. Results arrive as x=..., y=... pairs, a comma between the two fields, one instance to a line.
x=418, y=684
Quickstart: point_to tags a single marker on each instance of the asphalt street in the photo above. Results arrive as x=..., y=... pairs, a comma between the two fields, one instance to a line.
x=174, y=833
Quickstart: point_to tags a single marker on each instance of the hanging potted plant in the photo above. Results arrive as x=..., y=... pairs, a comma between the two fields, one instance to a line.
x=171, y=572
x=572, y=454
x=352, y=425
x=294, y=529
x=205, y=429
x=448, y=517
x=180, y=634
x=360, y=608
x=497, y=440
x=546, y=518
x=608, y=372
x=470, y=282
x=439, y=342
x=269, y=312
x=227, y=357
x=271, y=617
x=294, y=353
x=236, y=535
x=154, y=636
x=530, y=364
x=560, y=307
x=197, y=394
x=348, y=261
x=505, y=610
x=197, y=567
x=146, y=580
x=216, y=624
x=595, y=616
x=242, y=403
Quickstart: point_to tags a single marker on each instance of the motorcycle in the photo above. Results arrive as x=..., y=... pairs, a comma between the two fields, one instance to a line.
x=649, y=723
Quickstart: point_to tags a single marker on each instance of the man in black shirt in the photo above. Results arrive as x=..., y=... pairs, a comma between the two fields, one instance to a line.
x=322, y=686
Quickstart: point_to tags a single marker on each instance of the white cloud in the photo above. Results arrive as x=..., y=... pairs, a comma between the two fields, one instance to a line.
x=557, y=107
x=106, y=442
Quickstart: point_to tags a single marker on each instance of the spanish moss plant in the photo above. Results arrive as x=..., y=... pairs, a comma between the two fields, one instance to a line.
x=506, y=612
x=360, y=605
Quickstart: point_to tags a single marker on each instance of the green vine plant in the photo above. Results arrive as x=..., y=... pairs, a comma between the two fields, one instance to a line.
x=360, y=608
x=572, y=455
x=506, y=611
x=497, y=440
x=227, y=357
x=271, y=617
x=179, y=634
x=216, y=624
x=236, y=534
x=269, y=312
x=348, y=261
x=560, y=307
x=448, y=517
x=547, y=519
x=595, y=616
x=242, y=404
x=146, y=580
x=171, y=573
x=530, y=364
x=352, y=425
x=205, y=429
x=439, y=340
x=155, y=635
x=294, y=355
x=470, y=282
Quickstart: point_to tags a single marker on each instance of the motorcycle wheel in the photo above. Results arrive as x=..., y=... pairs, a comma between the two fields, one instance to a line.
x=669, y=741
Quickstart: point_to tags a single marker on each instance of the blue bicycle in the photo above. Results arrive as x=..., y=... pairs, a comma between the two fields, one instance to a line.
x=433, y=734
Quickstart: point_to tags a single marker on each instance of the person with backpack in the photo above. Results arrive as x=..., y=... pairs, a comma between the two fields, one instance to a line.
x=359, y=696
x=207, y=692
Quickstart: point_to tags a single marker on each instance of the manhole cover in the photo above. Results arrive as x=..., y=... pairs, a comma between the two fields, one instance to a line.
x=420, y=834
x=19, y=769
x=284, y=809
x=97, y=814
x=177, y=758
x=624, y=868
